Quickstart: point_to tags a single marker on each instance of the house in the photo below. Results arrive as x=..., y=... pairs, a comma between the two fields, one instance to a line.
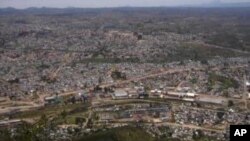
x=156, y=92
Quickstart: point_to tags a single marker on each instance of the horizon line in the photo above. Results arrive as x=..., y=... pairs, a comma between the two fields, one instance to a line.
x=204, y=5
x=113, y=7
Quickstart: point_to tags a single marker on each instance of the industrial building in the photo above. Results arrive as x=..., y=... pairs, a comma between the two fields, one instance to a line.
x=120, y=94
x=182, y=94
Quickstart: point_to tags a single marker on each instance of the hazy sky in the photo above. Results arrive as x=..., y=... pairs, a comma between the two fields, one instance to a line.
x=103, y=3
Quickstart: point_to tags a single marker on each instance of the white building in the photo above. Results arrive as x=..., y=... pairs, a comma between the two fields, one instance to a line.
x=191, y=94
x=156, y=92
x=188, y=99
x=120, y=94
x=182, y=94
x=247, y=83
x=175, y=94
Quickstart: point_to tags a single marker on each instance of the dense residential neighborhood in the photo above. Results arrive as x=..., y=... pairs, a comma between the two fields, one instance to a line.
x=166, y=73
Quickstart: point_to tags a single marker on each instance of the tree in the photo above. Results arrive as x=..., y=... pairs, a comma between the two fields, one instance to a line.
x=80, y=121
x=230, y=103
x=118, y=75
x=63, y=116
x=139, y=37
x=34, y=132
x=5, y=135
x=220, y=114
x=24, y=133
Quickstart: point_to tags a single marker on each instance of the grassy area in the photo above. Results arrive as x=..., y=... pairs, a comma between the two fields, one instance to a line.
x=71, y=119
x=196, y=51
x=52, y=110
x=119, y=134
x=229, y=40
x=225, y=81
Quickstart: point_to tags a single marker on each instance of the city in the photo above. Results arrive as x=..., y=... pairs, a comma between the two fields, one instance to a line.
x=145, y=74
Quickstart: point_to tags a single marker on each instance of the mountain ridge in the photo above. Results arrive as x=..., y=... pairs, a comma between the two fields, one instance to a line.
x=208, y=5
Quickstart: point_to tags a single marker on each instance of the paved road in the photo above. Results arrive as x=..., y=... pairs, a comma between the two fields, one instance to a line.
x=219, y=47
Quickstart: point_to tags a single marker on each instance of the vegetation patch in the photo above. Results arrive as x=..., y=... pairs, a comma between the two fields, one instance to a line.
x=119, y=134
x=225, y=81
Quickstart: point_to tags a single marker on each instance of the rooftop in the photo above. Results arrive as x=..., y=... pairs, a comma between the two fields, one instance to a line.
x=120, y=93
